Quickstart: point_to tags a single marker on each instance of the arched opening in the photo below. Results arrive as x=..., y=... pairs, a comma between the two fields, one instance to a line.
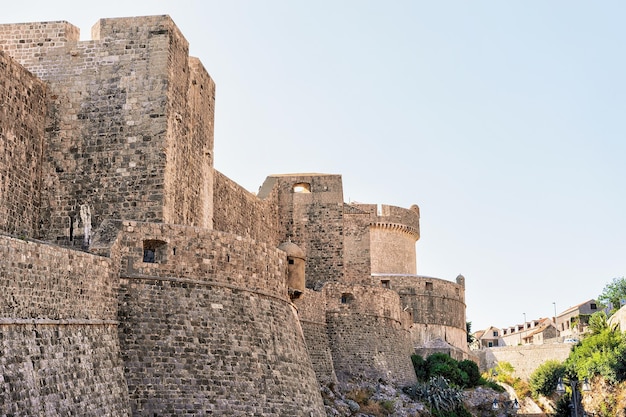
x=347, y=298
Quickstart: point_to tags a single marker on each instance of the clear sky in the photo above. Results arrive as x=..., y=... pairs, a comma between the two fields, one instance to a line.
x=503, y=120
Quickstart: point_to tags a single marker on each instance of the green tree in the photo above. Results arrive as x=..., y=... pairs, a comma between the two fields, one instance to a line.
x=613, y=293
x=468, y=328
x=599, y=354
x=598, y=322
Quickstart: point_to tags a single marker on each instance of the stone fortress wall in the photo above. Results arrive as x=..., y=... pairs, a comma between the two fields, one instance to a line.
x=437, y=306
x=58, y=332
x=130, y=119
x=170, y=295
x=212, y=307
x=22, y=117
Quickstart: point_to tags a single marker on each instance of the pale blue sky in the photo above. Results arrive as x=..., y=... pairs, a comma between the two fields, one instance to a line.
x=504, y=121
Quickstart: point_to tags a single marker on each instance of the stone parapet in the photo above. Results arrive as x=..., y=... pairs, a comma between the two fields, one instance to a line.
x=41, y=281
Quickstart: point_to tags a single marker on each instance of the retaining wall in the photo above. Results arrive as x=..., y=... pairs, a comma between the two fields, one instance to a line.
x=525, y=358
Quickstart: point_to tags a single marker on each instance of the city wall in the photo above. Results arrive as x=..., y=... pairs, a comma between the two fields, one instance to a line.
x=182, y=307
x=524, y=358
x=312, y=315
x=58, y=333
x=368, y=334
x=240, y=212
x=22, y=119
x=357, y=254
x=437, y=307
x=208, y=327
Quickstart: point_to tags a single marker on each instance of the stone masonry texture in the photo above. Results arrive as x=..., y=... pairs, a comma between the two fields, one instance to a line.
x=135, y=279
x=22, y=117
x=59, y=350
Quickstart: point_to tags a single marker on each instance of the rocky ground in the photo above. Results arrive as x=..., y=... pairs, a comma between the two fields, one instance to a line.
x=381, y=399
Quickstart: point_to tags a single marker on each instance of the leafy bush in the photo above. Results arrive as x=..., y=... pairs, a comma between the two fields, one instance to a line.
x=440, y=364
x=473, y=373
x=598, y=322
x=463, y=374
x=562, y=408
x=544, y=379
x=421, y=370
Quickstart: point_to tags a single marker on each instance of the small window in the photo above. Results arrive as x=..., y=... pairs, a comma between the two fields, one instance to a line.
x=594, y=306
x=495, y=333
x=385, y=283
x=302, y=187
x=154, y=251
x=429, y=286
x=490, y=344
x=347, y=298
x=291, y=261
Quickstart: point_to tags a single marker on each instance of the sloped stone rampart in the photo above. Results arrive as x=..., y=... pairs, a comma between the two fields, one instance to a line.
x=59, y=351
x=312, y=314
x=208, y=328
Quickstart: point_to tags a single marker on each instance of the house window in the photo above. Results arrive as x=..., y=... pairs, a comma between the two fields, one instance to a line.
x=593, y=306
x=495, y=333
x=154, y=251
x=490, y=344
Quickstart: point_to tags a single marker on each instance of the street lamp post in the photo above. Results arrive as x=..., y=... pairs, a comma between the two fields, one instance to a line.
x=554, y=303
x=574, y=383
x=510, y=407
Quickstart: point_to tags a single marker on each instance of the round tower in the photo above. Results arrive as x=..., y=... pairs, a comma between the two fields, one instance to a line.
x=393, y=233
